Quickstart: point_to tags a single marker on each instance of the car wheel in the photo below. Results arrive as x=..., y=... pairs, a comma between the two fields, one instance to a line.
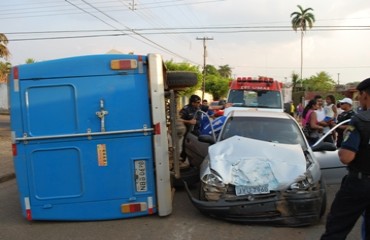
x=178, y=80
x=190, y=175
x=324, y=197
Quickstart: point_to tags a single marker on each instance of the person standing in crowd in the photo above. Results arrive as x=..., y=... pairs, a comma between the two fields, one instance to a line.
x=292, y=108
x=320, y=112
x=331, y=108
x=309, y=117
x=347, y=113
x=204, y=107
x=339, y=109
x=188, y=115
x=353, y=197
x=331, y=113
x=299, y=111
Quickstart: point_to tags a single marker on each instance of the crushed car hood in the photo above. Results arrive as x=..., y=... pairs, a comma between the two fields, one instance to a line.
x=249, y=162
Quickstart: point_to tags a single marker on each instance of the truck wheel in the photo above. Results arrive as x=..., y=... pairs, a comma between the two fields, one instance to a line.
x=178, y=80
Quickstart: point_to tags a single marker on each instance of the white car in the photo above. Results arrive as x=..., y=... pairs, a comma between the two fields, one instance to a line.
x=260, y=169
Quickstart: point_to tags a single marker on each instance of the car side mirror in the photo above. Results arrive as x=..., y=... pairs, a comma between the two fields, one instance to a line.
x=324, y=146
x=206, y=138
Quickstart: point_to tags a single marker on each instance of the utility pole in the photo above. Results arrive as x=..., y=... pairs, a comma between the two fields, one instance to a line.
x=204, y=63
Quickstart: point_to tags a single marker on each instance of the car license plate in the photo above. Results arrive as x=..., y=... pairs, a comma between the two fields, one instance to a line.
x=140, y=176
x=245, y=190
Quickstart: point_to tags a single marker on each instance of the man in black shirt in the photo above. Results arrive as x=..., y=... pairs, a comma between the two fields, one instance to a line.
x=188, y=115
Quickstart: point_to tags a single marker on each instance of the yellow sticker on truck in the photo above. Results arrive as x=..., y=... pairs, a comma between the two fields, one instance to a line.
x=102, y=155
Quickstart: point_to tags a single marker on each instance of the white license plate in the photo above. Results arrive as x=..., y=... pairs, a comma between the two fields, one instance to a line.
x=140, y=176
x=245, y=190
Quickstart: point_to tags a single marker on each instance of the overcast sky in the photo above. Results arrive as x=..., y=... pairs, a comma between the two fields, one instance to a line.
x=254, y=37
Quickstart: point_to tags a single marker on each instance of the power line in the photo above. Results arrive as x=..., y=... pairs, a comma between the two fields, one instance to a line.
x=151, y=42
x=23, y=14
x=168, y=31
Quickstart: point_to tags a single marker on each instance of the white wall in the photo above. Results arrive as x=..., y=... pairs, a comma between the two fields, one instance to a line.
x=4, y=101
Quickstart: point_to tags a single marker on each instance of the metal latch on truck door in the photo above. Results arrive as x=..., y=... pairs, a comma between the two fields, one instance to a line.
x=101, y=114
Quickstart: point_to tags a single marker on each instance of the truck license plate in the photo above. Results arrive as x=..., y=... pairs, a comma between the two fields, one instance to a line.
x=140, y=176
x=245, y=190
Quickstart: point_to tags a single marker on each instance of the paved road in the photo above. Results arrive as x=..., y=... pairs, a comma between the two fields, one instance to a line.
x=185, y=223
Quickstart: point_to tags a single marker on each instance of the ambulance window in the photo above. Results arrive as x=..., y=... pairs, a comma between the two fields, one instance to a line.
x=236, y=96
x=250, y=98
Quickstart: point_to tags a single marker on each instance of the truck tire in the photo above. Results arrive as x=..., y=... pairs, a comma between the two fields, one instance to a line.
x=178, y=80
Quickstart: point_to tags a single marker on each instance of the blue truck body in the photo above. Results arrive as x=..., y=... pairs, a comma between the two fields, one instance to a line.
x=83, y=131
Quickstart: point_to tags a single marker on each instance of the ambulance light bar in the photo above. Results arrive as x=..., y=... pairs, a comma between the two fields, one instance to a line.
x=259, y=79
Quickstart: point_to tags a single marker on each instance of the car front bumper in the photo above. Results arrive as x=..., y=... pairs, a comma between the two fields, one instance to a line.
x=278, y=209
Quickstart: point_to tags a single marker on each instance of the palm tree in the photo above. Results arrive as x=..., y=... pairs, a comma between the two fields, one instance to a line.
x=295, y=78
x=225, y=71
x=300, y=21
x=4, y=52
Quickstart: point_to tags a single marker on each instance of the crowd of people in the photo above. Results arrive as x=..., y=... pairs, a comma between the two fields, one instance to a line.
x=320, y=117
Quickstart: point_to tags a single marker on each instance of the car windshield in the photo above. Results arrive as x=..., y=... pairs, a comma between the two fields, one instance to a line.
x=255, y=98
x=278, y=130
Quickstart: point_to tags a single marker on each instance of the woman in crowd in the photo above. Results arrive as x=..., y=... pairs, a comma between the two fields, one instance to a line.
x=309, y=121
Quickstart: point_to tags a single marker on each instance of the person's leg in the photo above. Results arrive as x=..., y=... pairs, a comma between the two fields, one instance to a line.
x=365, y=228
x=348, y=205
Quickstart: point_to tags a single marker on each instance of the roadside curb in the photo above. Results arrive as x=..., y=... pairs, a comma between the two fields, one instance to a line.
x=7, y=177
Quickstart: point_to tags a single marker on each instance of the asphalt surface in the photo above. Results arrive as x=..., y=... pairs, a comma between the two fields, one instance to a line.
x=6, y=161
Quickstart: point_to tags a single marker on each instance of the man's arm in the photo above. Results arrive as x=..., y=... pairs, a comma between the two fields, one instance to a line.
x=350, y=144
x=346, y=156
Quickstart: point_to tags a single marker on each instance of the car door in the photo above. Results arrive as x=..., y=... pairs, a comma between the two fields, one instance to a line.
x=331, y=167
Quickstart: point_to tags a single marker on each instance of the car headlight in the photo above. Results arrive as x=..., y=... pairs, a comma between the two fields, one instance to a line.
x=213, y=179
x=302, y=183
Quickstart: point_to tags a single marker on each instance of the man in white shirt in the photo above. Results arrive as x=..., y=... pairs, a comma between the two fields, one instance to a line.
x=320, y=113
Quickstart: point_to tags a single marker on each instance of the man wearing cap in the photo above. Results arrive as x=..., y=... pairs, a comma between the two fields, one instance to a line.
x=353, y=197
x=346, y=106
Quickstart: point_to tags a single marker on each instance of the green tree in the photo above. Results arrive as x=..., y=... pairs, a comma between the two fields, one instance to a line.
x=322, y=82
x=295, y=80
x=172, y=66
x=4, y=71
x=30, y=60
x=217, y=86
x=300, y=21
x=4, y=52
x=225, y=71
x=212, y=70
